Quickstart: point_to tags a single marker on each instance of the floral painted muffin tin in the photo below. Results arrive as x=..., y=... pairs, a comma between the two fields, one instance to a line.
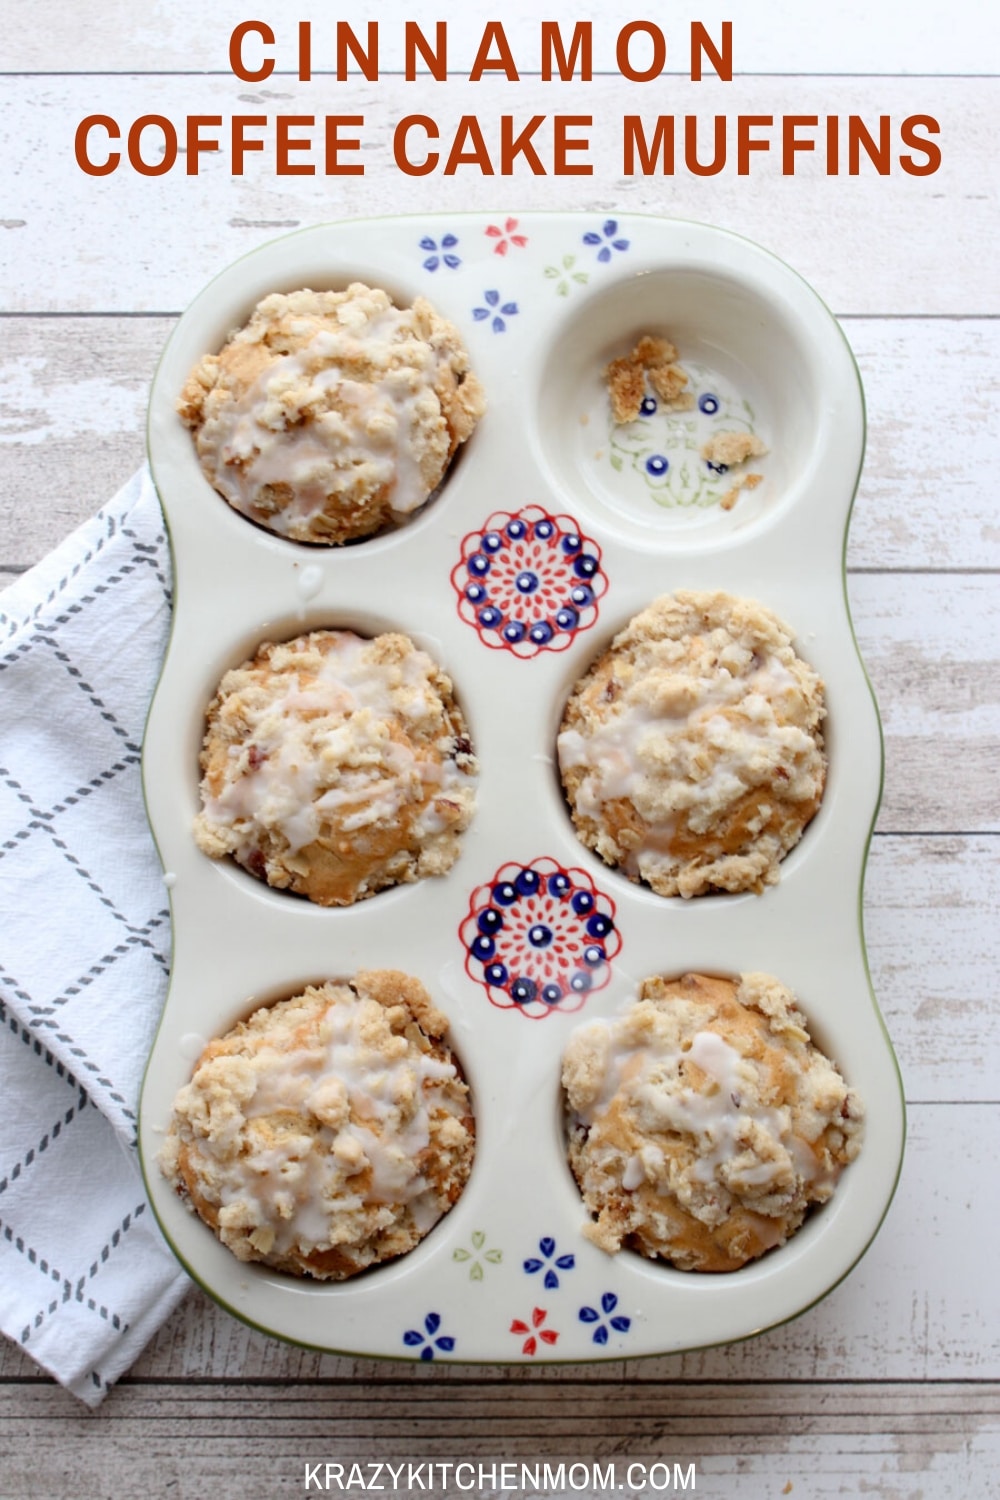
x=552, y=529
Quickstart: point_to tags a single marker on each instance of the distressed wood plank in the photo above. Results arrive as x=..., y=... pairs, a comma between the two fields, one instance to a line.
x=136, y=247
x=922, y=501
x=934, y=949
x=72, y=423
x=745, y=1441
x=72, y=415
x=930, y=645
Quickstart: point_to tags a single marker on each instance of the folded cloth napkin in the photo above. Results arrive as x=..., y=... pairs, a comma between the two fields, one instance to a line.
x=85, y=1276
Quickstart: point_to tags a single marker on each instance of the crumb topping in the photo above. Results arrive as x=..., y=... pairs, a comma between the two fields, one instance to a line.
x=332, y=414
x=334, y=766
x=691, y=752
x=327, y=1132
x=703, y=1122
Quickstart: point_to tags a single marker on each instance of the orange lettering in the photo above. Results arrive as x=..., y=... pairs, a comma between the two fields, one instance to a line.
x=512, y=146
x=348, y=42
x=240, y=144
x=152, y=169
x=691, y=161
x=564, y=143
x=858, y=136
x=494, y=32
x=662, y=146
x=745, y=143
x=929, y=148
x=790, y=142
x=286, y=144
x=436, y=60
x=194, y=143
x=81, y=145
x=239, y=67
x=334, y=146
x=637, y=75
x=722, y=61
x=581, y=46
x=399, y=145
x=477, y=154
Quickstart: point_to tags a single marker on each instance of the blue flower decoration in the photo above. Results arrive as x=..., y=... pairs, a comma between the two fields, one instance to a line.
x=414, y=1339
x=608, y=239
x=564, y=1262
x=440, y=254
x=608, y=1304
x=506, y=310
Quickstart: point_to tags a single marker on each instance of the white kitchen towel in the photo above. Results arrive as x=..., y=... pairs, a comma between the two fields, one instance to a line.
x=85, y=1276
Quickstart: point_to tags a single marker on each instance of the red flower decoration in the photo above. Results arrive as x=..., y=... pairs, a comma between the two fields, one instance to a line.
x=528, y=581
x=506, y=237
x=539, y=938
x=547, y=1335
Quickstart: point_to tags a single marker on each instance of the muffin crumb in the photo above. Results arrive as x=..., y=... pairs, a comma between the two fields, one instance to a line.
x=653, y=358
x=732, y=448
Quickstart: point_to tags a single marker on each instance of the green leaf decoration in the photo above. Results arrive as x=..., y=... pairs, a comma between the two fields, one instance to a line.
x=460, y=1255
x=568, y=260
x=494, y=1257
x=476, y=1274
x=551, y=271
x=563, y=288
x=616, y=463
x=478, y=1239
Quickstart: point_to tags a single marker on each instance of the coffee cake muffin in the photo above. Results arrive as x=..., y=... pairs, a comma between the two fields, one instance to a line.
x=332, y=415
x=327, y=1133
x=703, y=1124
x=335, y=766
x=691, y=752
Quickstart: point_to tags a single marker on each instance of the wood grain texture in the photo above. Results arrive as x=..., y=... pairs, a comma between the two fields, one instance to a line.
x=934, y=951
x=745, y=1441
x=835, y=230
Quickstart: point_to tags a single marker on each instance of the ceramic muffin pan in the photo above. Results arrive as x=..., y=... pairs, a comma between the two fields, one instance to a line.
x=607, y=519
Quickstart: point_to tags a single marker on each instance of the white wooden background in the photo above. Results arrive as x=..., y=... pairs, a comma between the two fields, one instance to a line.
x=891, y=1387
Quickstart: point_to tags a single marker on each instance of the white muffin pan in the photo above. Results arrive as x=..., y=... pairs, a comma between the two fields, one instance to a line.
x=621, y=516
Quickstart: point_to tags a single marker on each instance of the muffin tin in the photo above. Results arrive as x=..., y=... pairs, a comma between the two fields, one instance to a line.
x=608, y=520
